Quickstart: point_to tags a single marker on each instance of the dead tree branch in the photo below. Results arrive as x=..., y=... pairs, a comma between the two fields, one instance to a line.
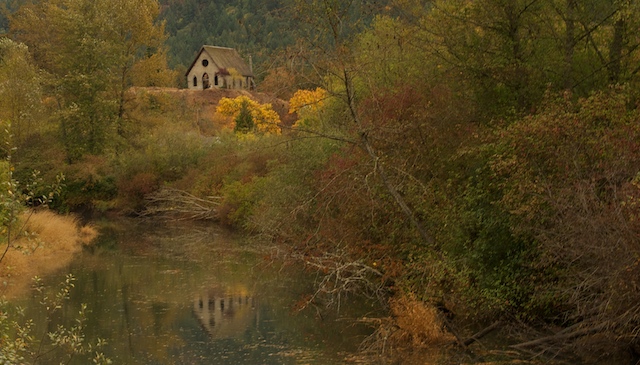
x=482, y=333
x=563, y=336
x=177, y=204
x=340, y=276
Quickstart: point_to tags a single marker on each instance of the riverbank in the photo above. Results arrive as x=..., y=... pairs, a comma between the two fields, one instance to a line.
x=192, y=293
x=47, y=243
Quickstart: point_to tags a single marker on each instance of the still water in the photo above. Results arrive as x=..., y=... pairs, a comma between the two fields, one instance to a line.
x=194, y=294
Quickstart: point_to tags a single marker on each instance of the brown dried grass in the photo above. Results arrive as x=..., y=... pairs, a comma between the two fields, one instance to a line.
x=48, y=244
x=418, y=324
x=414, y=325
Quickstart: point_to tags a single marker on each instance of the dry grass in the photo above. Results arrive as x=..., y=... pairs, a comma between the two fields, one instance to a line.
x=414, y=325
x=49, y=243
x=418, y=323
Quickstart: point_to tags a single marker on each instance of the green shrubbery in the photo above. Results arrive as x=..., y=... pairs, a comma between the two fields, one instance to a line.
x=23, y=341
x=432, y=160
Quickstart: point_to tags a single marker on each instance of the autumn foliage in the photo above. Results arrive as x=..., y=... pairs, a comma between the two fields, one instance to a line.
x=569, y=180
x=304, y=100
x=474, y=158
x=263, y=118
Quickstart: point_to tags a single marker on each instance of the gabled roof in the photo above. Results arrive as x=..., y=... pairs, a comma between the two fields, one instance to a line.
x=224, y=58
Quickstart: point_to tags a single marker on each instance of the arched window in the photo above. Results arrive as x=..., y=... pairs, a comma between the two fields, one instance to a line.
x=215, y=80
x=195, y=81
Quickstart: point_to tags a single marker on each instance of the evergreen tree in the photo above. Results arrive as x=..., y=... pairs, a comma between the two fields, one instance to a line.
x=244, y=120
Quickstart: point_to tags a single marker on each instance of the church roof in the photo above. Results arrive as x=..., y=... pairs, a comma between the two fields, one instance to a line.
x=224, y=58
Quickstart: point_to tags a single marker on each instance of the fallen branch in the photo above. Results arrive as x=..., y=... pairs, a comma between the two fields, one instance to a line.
x=482, y=333
x=180, y=205
x=562, y=336
x=447, y=324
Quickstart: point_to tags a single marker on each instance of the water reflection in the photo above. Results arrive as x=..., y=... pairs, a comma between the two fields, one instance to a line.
x=194, y=295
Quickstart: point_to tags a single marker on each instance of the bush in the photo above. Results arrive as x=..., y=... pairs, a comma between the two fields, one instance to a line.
x=132, y=191
x=570, y=180
x=167, y=153
x=88, y=183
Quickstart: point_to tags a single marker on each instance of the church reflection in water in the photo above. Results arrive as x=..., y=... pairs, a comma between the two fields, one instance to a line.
x=226, y=313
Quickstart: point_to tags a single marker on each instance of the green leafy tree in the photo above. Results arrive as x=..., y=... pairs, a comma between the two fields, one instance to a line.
x=20, y=89
x=508, y=53
x=91, y=48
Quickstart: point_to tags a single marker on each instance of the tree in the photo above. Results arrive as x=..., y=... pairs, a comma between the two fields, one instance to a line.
x=327, y=31
x=153, y=71
x=248, y=115
x=509, y=53
x=6, y=8
x=308, y=105
x=496, y=47
x=92, y=49
x=138, y=39
x=244, y=120
x=20, y=88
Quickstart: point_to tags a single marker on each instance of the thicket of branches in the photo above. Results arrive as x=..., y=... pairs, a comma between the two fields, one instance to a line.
x=485, y=160
x=480, y=157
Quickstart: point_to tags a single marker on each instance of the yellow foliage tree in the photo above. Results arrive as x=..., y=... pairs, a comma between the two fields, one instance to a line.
x=236, y=78
x=153, y=71
x=264, y=119
x=307, y=104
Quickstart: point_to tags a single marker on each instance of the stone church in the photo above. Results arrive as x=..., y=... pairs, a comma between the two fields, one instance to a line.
x=219, y=67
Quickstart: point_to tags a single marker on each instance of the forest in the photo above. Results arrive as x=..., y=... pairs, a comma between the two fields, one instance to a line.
x=472, y=165
x=256, y=28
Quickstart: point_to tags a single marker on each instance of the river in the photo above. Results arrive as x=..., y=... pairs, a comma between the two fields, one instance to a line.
x=163, y=293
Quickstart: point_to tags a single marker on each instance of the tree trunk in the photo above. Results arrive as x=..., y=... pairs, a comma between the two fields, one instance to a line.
x=569, y=43
x=379, y=168
x=614, y=65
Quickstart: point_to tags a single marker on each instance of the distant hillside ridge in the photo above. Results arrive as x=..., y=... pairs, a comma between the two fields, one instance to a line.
x=253, y=27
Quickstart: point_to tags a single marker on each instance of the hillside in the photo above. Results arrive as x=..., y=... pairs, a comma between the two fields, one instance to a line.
x=205, y=102
x=255, y=28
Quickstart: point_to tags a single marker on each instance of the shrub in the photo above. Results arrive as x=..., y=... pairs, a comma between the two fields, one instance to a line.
x=88, y=182
x=132, y=191
x=569, y=179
